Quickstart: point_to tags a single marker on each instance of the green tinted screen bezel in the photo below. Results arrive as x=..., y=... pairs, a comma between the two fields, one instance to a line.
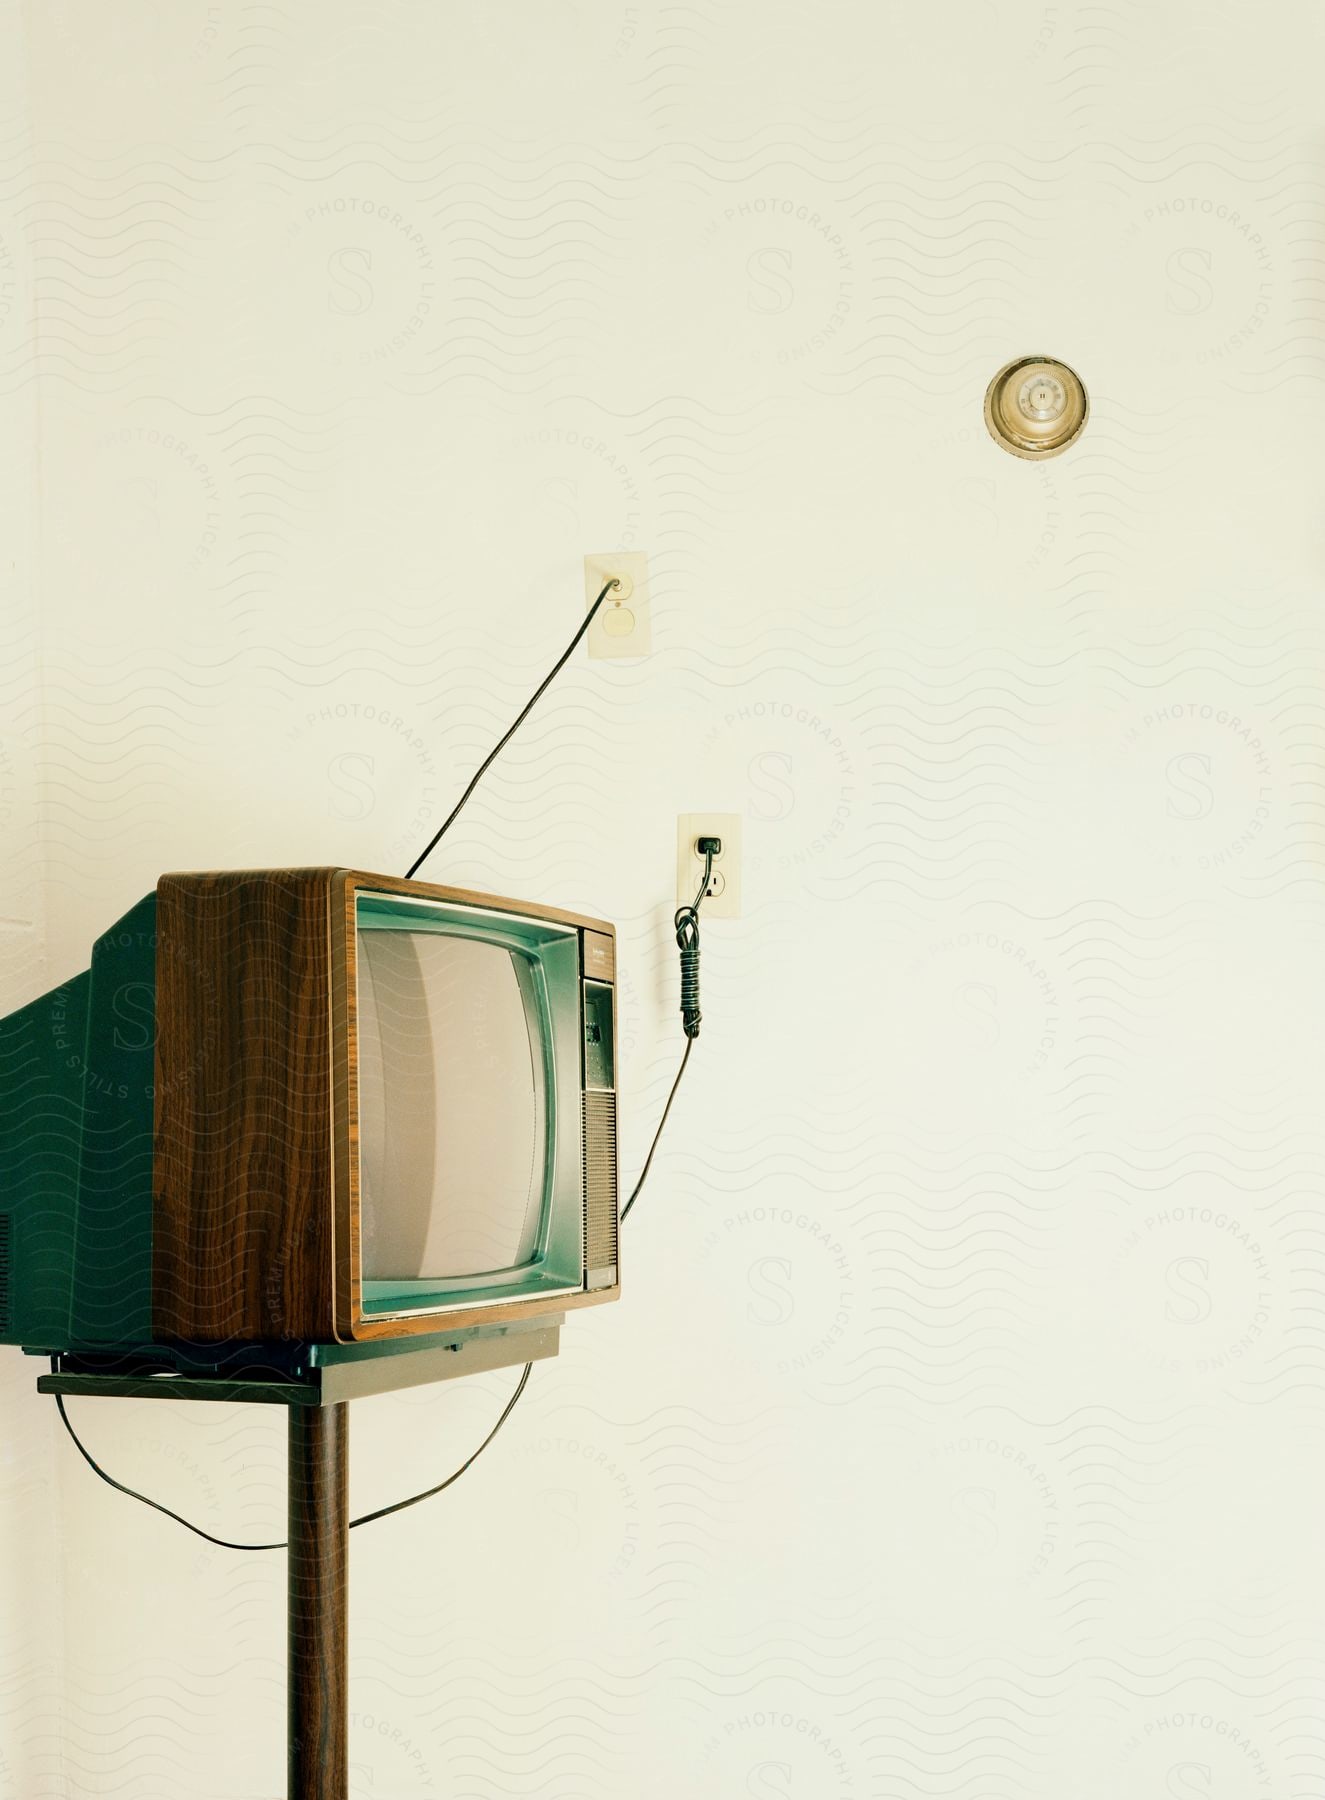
x=552, y=952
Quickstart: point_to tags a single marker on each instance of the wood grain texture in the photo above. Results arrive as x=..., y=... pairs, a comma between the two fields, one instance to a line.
x=318, y=1559
x=243, y=1227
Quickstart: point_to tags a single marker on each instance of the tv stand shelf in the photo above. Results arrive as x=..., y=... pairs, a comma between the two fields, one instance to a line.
x=316, y=1390
x=181, y=1387
x=327, y=1376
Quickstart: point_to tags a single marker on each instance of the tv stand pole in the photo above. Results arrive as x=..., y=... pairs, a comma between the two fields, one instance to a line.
x=318, y=1499
x=318, y=1559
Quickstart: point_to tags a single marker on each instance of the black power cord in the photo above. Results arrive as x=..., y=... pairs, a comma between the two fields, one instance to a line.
x=686, y=922
x=502, y=742
x=687, y=938
x=364, y=1519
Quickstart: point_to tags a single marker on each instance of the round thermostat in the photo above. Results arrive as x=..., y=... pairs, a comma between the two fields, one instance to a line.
x=1036, y=407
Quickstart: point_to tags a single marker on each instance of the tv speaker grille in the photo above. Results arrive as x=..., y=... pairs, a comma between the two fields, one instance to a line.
x=600, y=1189
x=6, y=1264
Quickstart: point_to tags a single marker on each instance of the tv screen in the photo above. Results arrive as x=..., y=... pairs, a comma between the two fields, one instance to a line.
x=472, y=1075
x=452, y=1107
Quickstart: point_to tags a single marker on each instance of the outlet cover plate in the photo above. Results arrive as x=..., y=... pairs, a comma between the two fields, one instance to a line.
x=724, y=898
x=624, y=625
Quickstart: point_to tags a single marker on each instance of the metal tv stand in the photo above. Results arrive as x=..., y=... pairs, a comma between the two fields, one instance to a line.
x=316, y=1384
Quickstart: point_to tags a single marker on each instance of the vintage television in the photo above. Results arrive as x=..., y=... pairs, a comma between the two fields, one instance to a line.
x=298, y=1107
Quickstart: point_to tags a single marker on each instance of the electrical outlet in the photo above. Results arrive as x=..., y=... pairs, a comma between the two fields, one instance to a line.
x=623, y=626
x=723, y=900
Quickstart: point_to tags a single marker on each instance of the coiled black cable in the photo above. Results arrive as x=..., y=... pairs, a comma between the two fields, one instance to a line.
x=686, y=922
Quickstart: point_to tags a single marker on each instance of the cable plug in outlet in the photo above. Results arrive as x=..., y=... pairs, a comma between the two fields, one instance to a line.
x=695, y=834
x=622, y=627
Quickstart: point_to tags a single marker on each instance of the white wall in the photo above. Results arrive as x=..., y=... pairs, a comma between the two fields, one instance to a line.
x=960, y=1430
